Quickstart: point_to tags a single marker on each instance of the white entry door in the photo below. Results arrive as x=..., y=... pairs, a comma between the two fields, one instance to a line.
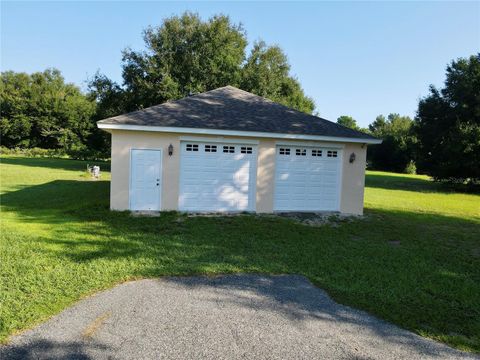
x=307, y=179
x=145, y=180
x=217, y=177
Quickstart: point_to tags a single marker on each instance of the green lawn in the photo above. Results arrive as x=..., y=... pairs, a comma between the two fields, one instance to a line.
x=413, y=260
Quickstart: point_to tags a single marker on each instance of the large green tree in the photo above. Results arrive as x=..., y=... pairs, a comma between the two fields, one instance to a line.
x=397, y=150
x=266, y=73
x=186, y=55
x=42, y=110
x=110, y=99
x=448, y=124
x=348, y=121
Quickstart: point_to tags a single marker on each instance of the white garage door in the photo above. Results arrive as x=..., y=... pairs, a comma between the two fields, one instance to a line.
x=217, y=177
x=307, y=179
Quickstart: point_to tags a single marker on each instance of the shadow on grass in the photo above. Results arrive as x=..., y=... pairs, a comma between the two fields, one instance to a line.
x=427, y=282
x=57, y=195
x=409, y=183
x=64, y=164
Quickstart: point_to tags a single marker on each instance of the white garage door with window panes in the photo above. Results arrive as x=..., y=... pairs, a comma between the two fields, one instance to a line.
x=307, y=179
x=217, y=177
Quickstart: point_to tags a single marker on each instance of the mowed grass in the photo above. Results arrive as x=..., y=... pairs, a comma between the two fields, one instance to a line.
x=414, y=259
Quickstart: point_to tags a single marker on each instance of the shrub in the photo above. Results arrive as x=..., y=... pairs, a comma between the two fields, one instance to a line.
x=411, y=168
x=80, y=154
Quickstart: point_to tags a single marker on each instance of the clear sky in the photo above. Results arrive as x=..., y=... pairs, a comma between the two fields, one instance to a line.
x=353, y=58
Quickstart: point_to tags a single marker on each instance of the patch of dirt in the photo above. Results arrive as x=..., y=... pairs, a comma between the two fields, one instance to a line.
x=321, y=218
x=217, y=214
x=146, y=213
x=306, y=218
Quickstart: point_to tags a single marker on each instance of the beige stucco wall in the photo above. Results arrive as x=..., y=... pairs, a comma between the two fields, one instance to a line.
x=353, y=179
x=265, y=175
x=353, y=175
x=122, y=143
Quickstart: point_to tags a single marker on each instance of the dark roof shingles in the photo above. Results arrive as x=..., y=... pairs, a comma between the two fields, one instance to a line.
x=229, y=108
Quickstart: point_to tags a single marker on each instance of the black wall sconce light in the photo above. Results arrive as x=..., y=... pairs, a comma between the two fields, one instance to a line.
x=170, y=150
x=352, y=158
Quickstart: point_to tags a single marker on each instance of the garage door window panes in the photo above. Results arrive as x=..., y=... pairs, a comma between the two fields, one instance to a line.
x=192, y=147
x=332, y=153
x=301, y=152
x=284, y=151
x=211, y=148
x=316, y=153
x=246, y=150
x=229, y=149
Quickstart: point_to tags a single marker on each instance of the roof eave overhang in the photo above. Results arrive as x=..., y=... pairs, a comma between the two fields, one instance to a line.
x=218, y=132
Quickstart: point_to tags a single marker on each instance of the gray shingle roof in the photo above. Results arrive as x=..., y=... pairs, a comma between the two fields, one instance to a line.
x=229, y=108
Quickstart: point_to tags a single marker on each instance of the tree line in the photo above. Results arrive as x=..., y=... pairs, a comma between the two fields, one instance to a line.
x=443, y=140
x=398, y=151
x=186, y=55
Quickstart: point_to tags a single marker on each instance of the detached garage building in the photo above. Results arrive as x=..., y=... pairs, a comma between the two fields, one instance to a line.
x=230, y=150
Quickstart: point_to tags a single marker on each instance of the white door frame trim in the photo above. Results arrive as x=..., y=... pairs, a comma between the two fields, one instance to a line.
x=160, y=207
x=310, y=144
x=340, y=181
x=218, y=139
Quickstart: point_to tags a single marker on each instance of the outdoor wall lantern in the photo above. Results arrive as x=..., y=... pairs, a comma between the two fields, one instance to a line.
x=352, y=157
x=170, y=150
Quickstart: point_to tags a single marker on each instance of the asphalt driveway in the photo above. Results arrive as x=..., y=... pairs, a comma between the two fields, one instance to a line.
x=225, y=317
